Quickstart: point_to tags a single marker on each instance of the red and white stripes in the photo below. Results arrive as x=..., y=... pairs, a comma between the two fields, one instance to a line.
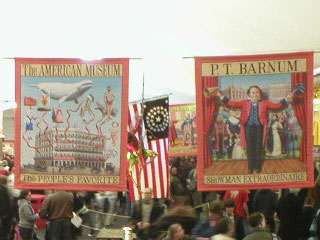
x=154, y=174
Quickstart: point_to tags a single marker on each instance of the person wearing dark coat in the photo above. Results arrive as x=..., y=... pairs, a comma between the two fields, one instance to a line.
x=289, y=213
x=266, y=201
x=6, y=211
x=207, y=229
x=307, y=215
x=145, y=213
x=317, y=229
x=176, y=186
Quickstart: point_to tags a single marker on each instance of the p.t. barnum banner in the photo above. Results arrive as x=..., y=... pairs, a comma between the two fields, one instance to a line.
x=254, y=119
x=71, y=124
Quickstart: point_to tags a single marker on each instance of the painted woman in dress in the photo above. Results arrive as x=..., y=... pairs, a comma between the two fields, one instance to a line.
x=238, y=151
x=274, y=141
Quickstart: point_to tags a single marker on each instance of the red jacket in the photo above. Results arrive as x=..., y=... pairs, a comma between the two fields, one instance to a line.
x=245, y=105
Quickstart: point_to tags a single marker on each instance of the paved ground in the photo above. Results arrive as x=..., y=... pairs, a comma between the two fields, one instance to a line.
x=118, y=224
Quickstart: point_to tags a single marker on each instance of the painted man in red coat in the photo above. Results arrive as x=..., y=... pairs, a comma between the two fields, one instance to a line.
x=253, y=122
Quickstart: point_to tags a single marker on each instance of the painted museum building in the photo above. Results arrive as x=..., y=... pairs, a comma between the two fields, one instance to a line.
x=71, y=148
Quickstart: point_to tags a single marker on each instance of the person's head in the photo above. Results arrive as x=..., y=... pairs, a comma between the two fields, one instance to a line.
x=147, y=195
x=3, y=180
x=25, y=194
x=292, y=113
x=216, y=211
x=232, y=113
x=281, y=115
x=225, y=226
x=187, y=116
x=257, y=220
x=115, y=124
x=254, y=93
x=237, y=139
x=219, y=118
x=229, y=206
x=176, y=231
x=179, y=201
x=193, y=162
x=274, y=117
x=109, y=88
x=4, y=163
x=174, y=171
x=12, y=169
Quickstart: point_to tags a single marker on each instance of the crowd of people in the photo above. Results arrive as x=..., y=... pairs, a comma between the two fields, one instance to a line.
x=238, y=214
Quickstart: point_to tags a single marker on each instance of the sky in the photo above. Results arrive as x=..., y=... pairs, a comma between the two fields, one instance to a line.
x=246, y=81
x=159, y=33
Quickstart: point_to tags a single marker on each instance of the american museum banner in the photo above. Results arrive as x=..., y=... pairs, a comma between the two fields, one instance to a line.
x=254, y=119
x=71, y=124
x=182, y=130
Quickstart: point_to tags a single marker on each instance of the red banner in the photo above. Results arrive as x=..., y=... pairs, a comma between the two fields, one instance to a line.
x=252, y=118
x=71, y=124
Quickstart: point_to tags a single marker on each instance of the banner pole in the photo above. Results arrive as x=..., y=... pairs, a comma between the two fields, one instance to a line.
x=75, y=58
x=152, y=98
x=257, y=52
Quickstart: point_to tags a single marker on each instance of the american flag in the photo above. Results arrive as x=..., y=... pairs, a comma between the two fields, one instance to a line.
x=154, y=174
